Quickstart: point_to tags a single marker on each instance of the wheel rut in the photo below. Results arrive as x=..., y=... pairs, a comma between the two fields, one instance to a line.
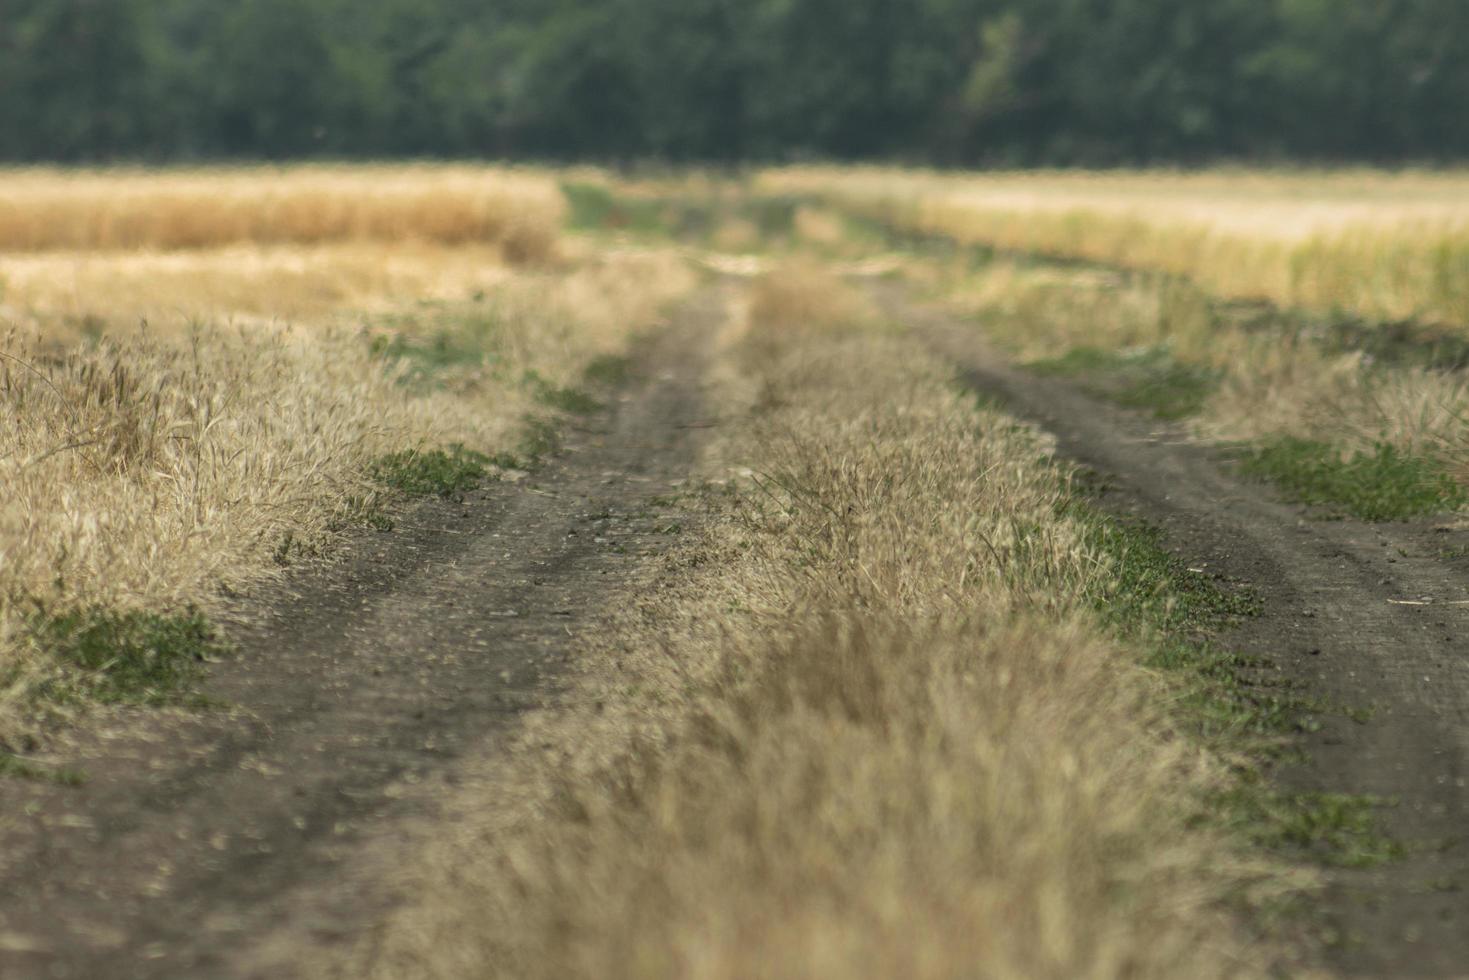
x=357, y=690
x=1371, y=617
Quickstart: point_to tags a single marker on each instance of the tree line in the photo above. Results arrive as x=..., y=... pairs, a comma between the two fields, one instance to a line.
x=973, y=82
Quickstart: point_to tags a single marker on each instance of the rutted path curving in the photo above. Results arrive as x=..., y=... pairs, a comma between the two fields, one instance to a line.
x=196, y=839
x=1364, y=616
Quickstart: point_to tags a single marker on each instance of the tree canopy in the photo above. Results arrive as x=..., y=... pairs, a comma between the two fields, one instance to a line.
x=1013, y=82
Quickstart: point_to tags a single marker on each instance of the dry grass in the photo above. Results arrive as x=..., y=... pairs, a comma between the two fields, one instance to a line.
x=50, y=210
x=1273, y=382
x=880, y=735
x=115, y=292
x=1381, y=245
x=147, y=468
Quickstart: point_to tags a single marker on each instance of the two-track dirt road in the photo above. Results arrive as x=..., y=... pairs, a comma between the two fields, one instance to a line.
x=212, y=846
x=1371, y=617
x=230, y=843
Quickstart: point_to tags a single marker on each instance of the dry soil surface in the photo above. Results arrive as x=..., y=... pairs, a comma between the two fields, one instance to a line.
x=354, y=698
x=1364, y=616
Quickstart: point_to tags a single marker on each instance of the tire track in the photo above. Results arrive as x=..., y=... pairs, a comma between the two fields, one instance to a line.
x=1363, y=616
x=356, y=695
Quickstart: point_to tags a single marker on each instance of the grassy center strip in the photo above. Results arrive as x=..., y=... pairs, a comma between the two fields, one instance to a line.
x=879, y=721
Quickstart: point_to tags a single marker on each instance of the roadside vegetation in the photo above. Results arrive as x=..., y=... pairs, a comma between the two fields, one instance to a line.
x=208, y=376
x=902, y=704
x=1315, y=321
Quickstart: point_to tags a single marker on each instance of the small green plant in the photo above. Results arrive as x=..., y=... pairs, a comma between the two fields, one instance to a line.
x=1334, y=829
x=424, y=473
x=539, y=439
x=14, y=767
x=127, y=657
x=609, y=370
x=569, y=400
x=1149, y=378
x=1382, y=485
x=459, y=340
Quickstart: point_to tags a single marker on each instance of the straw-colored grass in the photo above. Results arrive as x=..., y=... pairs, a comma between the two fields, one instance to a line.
x=879, y=733
x=1272, y=382
x=51, y=210
x=148, y=466
x=1381, y=245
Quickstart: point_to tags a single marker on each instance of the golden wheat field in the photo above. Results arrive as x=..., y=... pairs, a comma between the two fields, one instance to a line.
x=1381, y=245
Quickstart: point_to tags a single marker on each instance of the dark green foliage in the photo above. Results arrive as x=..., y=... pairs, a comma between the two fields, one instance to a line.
x=424, y=473
x=947, y=81
x=1383, y=485
x=125, y=657
x=1149, y=379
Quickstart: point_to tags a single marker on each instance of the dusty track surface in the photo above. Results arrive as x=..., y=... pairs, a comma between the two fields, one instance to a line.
x=1362, y=616
x=197, y=841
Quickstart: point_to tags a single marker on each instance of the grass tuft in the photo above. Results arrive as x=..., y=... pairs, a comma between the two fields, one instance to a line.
x=127, y=657
x=15, y=767
x=1329, y=828
x=425, y=473
x=1147, y=378
x=1383, y=485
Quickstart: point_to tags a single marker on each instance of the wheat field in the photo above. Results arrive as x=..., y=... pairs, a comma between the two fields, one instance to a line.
x=1375, y=244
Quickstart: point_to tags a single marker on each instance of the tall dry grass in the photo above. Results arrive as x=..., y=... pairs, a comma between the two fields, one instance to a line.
x=880, y=733
x=520, y=212
x=152, y=469
x=1273, y=382
x=1381, y=245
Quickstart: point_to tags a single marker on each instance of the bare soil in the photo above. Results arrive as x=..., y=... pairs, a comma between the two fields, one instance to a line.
x=1371, y=617
x=357, y=694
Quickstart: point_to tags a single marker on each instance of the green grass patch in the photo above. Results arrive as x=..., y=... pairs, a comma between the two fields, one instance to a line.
x=1328, y=828
x=609, y=370
x=125, y=657
x=449, y=342
x=14, y=767
x=573, y=401
x=1236, y=705
x=1381, y=485
x=595, y=207
x=1148, y=378
x=425, y=473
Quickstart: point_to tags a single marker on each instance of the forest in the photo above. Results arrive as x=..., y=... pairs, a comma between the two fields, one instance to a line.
x=942, y=82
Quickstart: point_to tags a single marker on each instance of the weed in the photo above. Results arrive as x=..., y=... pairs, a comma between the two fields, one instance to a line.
x=1330, y=828
x=14, y=767
x=539, y=439
x=569, y=400
x=128, y=657
x=419, y=473
x=609, y=370
x=1148, y=378
x=1229, y=701
x=1384, y=485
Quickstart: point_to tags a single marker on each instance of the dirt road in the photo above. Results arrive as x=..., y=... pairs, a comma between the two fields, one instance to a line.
x=199, y=841
x=1363, y=616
